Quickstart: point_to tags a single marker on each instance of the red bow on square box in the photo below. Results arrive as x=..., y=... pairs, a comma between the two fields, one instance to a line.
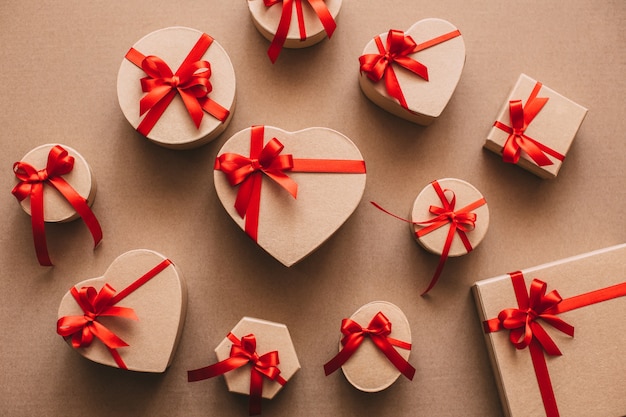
x=243, y=352
x=32, y=182
x=537, y=308
x=520, y=117
x=191, y=81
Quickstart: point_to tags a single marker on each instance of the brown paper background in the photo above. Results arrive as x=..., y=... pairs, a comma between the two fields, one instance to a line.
x=58, y=68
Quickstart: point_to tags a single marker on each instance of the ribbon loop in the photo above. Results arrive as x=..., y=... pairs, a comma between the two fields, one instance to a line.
x=320, y=9
x=31, y=184
x=378, y=330
x=397, y=49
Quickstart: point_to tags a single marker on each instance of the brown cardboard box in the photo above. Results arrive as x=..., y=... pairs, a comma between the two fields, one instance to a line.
x=555, y=126
x=588, y=379
x=291, y=228
x=425, y=99
x=175, y=128
x=159, y=304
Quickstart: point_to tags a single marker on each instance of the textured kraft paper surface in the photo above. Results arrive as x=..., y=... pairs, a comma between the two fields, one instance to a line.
x=58, y=66
x=588, y=378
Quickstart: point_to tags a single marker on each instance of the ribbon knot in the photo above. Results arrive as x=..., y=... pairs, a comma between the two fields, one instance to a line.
x=378, y=330
x=320, y=9
x=31, y=184
x=524, y=324
x=397, y=49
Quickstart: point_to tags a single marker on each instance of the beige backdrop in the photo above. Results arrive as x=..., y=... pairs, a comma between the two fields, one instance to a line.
x=58, y=71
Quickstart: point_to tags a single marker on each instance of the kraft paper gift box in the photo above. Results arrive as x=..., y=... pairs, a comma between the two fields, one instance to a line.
x=257, y=358
x=176, y=86
x=535, y=128
x=375, y=347
x=54, y=184
x=413, y=74
x=131, y=317
x=298, y=187
x=550, y=370
x=294, y=24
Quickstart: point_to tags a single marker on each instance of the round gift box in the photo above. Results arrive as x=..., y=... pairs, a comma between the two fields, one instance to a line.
x=465, y=194
x=368, y=369
x=175, y=129
x=56, y=208
x=266, y=20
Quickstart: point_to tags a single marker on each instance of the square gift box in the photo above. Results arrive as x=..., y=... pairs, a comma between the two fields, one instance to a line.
x=535, y=127
x=529, y=319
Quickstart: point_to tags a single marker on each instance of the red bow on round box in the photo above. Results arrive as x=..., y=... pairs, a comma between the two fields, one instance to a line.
x=259, y=364
x=176, y=86
x=450, y=230
x=312, y=21
x=61, y=190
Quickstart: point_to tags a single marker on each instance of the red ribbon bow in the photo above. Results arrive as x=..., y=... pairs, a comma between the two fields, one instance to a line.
x=247, y=173
x=191, y=81
x=31, y=185
x=461, y=222
x=319, y=7
x=378, y=330
x=397, y=50
x=243, y=352
x=518, y=141
x=82, y=329
x=526, y=330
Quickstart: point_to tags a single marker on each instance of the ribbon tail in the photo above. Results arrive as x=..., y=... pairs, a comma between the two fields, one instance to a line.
x=395, y=358
x=281, y=32
x=154, y=114
x=324, y=15
x=543, y=379
x=256, y=392
x=38, y=225
x=442, y=260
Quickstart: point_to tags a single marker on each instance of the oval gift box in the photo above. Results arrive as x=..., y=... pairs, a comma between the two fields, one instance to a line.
x=465, y=194
x=175, y=128
x=56, y=208
x=368, y=369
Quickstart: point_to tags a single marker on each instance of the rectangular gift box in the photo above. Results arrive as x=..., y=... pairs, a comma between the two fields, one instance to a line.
x=554, y=126
x=589, y=379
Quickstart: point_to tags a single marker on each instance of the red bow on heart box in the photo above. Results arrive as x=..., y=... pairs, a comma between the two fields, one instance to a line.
x=31, y=188
x=538, y=363
x=536, y=133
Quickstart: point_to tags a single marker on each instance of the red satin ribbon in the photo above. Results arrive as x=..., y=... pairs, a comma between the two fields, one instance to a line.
x=83, y=329
x=378, y=330
x=243, y=352
x=527, y=331
x=397, y=50
x=461, y=221
x=518, y=141
x=31, y=185
x=319, y=7
x=247, y=173
x=191, y=81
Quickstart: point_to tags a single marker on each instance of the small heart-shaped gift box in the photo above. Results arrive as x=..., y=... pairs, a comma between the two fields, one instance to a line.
x=413, y=74
x=176, y=86
x=257, y=358
x=131, y=317
x=289, y=191
x=535, y=128
x=54, y=184
x=294, y=23
x=375, y=347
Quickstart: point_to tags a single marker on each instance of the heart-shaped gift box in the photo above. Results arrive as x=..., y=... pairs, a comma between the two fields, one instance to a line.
x=254, y=177
x=413, y=74
x=137, y=308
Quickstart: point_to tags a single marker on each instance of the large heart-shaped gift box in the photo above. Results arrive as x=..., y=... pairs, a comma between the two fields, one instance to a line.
x=131, y=317
x=290, y=191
